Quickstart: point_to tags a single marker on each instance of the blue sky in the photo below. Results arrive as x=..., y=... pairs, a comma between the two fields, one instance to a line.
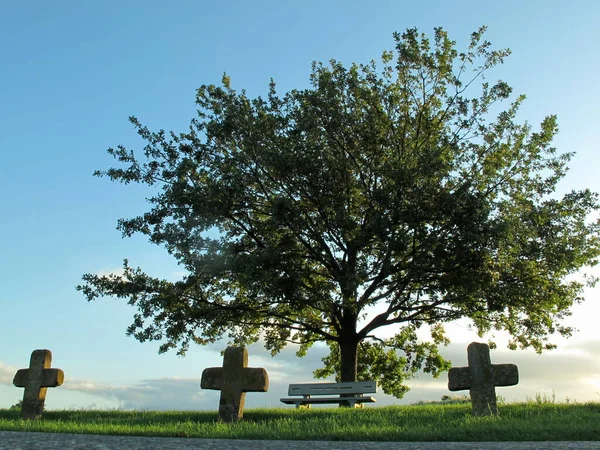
x=71, y=72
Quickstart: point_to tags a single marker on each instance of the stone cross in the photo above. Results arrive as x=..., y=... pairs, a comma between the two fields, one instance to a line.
x=36, y=380
x=234, y=379
x=481, y=378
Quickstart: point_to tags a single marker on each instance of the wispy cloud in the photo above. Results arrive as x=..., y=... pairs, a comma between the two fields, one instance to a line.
x=154, y=394
x=118, y=272
x=7, y=373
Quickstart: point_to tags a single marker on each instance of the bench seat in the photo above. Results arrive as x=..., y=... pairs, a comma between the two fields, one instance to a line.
x=352, y=393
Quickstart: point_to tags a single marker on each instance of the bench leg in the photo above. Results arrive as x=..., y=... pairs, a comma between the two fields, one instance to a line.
x=351, y=404
x=346, y=403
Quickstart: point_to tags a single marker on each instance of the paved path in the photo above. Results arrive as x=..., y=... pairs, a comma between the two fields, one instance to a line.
x=13, y=440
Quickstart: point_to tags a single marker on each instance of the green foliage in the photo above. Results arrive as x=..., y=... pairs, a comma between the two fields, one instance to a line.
x=380, y=189
x=544, y=399
x=16, y=406
x=447, y=400
x=379, y=360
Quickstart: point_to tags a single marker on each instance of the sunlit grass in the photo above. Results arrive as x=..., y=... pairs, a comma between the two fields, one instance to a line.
x=534, y=420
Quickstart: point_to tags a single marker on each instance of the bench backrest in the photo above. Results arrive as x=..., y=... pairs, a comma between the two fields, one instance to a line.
x=345, y=387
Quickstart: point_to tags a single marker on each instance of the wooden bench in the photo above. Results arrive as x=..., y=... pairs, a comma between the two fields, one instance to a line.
x=352, y=391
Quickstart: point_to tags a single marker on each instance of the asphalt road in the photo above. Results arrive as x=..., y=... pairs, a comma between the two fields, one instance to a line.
x=12, y=440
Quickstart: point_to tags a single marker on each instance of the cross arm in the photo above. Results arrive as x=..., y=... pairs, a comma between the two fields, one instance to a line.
x=212, y=378
x=49, y=378
x=459, y=379
x=505, y=374
x=255, y=380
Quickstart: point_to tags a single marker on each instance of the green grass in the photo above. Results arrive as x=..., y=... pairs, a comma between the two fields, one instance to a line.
x=531, y=421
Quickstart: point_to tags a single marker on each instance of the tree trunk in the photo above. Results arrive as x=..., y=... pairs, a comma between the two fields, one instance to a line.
x=349, y=364
x=348, y=359
x=348, y=344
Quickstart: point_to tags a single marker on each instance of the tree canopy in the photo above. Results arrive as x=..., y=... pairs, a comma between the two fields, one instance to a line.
x=380, y=197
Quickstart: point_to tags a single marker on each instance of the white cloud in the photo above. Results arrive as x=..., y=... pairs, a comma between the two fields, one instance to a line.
x=177, y=275
x=7, y=373
x=154, y=394
x=118, y=272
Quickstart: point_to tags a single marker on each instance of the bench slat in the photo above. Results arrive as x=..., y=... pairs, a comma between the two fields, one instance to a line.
x=297, y=400
x=346, y=387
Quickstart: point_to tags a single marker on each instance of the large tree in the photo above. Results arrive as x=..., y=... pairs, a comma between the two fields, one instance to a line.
x=380, y=196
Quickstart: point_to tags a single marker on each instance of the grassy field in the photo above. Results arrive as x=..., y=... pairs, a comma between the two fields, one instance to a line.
x=532, y=421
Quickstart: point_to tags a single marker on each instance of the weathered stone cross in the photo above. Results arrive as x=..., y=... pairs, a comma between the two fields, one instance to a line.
x=36, y=380
x=481, y=378
x=234, y=379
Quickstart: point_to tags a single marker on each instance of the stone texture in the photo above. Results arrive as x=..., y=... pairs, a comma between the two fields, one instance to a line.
x=36, y=379
x=234, y=379
x=481, y=378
